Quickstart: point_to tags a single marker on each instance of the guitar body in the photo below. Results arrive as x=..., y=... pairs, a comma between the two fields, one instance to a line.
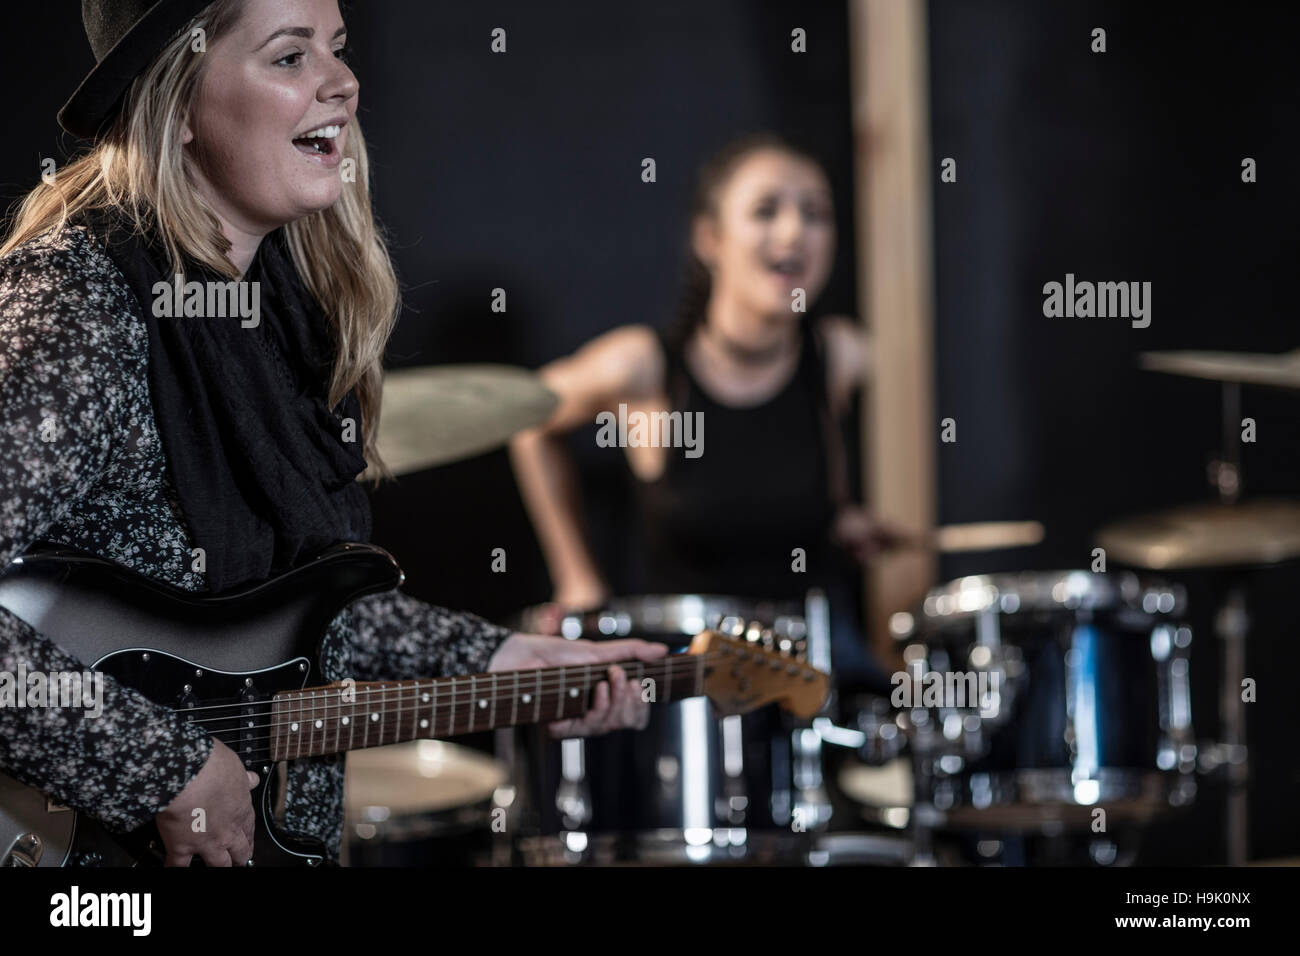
x=186, y=652
x=243, y=665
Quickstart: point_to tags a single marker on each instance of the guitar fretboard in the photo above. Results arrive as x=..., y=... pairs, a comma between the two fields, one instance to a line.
x=353, y=716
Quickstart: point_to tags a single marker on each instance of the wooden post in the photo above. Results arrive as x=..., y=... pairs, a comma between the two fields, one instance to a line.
x=891, y=120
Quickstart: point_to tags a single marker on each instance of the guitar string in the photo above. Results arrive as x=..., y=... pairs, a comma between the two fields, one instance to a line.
x=460, y=689
x=393, y=702
x=280, y=727
x=435, y=710
x=552, y=676
x=308, y=710
x=456, y=684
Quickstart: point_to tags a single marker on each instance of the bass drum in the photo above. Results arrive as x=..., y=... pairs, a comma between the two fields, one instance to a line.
x=692, y=787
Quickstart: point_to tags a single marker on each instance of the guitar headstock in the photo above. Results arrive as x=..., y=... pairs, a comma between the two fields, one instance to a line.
x=754, y=666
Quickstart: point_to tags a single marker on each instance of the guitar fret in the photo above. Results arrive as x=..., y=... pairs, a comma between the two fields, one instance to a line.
x=352, y=720
x=275, y=728
x=455, y=701
x=310, y=721
x=451, y=708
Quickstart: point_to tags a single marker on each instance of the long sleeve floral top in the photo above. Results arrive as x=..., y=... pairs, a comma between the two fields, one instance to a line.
x=82, y=464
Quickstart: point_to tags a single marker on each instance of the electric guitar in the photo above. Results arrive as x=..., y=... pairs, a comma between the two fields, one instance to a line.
x=243, y=665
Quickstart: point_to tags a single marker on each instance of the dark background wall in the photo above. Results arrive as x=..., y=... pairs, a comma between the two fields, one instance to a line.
x=1121, y=166
x=523, y=171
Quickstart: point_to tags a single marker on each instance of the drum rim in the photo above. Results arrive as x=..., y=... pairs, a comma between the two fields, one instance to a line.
x=1048, y=788
x=1065, y=590
x=630, y=615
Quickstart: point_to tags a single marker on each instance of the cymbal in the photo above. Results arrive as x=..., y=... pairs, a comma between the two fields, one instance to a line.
x=1281, y=371
x=442, y=413
x=1209, y=535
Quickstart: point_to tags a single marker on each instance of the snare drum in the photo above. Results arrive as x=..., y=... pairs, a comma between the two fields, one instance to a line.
x=1039, y=697
x=692, y=786
x=424, y=803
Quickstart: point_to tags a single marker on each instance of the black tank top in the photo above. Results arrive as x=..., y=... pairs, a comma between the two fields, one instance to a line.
x=728, y=521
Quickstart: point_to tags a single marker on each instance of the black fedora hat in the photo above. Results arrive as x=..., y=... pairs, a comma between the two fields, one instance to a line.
x=125, y=36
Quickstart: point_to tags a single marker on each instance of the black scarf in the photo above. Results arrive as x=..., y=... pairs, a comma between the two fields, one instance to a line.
x=260, y=463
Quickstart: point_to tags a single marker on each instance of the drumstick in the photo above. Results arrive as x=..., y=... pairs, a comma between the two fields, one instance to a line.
x=979, y=536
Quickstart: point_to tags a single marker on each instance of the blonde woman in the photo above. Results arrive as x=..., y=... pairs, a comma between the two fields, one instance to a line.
x=224, y=148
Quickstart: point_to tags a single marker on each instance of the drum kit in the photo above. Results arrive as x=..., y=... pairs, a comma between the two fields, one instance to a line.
x=1040, y=717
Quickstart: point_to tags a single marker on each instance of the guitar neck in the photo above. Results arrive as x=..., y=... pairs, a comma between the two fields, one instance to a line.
x=353, y=716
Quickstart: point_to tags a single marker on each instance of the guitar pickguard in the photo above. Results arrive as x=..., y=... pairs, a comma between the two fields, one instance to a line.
x=187, y=652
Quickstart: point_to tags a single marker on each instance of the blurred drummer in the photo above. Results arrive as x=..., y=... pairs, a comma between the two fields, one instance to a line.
x=766, y=511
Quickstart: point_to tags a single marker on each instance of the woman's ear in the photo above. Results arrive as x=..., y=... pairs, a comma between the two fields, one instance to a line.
x=704, y=239
x=187, y=134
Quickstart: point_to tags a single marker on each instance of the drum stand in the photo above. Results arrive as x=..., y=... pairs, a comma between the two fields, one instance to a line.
x=812, y=805
x=1231, y=625
x=1231, y=538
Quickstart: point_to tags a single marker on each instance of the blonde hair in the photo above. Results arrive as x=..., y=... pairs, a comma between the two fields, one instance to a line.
x=138, y=165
